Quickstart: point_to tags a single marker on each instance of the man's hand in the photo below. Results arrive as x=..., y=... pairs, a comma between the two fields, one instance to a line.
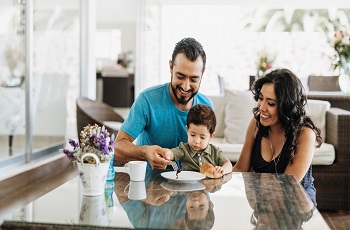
x=122, y=180
x=156, y=194
x=157, y=157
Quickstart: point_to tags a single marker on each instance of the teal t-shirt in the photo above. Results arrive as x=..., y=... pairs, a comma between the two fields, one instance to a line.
x=155, y=120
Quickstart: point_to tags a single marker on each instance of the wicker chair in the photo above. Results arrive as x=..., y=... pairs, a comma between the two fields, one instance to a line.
x=323, y=83
x=332, y=182
x=95, y=112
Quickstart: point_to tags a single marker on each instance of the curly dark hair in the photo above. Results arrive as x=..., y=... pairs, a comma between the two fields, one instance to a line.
x=191, y=48
x=291, y=101
x=202, y=115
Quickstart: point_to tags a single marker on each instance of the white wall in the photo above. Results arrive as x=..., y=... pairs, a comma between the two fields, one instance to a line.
x=118, y=14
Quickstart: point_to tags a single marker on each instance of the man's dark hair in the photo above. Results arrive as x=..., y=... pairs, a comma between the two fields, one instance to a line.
x=191, y=48
x=202, y=115
x=206, y=223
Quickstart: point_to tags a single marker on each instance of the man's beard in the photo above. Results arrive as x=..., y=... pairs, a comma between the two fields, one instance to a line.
x=182, y=100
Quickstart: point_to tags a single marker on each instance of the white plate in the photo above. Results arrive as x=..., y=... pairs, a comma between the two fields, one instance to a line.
x=183, y=176
x=182, y=187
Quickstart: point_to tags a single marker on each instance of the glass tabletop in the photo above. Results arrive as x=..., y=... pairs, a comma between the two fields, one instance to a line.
x=244, y=200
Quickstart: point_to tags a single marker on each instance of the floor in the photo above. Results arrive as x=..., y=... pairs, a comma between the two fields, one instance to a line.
x=337, y=220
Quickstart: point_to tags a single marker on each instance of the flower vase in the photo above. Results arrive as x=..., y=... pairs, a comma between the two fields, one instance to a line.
x=260, y=73
x=344, y=78
x=93, y=211
x=93, y=176
x=111, y=172
x=109, y=191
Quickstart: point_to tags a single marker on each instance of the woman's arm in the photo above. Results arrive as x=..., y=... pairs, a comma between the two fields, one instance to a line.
x=243, y=163
x=304, y=152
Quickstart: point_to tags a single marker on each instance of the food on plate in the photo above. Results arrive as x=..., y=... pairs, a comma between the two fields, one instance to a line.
x=209, y=170
x=177, y=173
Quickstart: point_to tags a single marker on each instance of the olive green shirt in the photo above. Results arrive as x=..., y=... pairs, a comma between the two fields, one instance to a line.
x=192, y=160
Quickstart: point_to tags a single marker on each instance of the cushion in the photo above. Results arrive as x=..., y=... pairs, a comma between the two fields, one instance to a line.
x=317, y=109
x=231, y=151
x=238, y=113
x=325, y=155
x=219, y=109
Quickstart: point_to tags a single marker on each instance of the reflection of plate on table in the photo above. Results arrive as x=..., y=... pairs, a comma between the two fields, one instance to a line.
x=183, y=176
x=182, y=187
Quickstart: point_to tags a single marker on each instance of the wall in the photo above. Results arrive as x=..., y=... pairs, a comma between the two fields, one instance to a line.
x=119, y=14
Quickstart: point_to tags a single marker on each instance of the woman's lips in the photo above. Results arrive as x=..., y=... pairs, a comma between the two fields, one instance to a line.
x=264, y=117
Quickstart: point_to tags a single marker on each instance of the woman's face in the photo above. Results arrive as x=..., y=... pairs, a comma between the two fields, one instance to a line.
x=267, y=104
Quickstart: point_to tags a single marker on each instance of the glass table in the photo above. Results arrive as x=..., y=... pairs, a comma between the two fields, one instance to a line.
x=238, y=200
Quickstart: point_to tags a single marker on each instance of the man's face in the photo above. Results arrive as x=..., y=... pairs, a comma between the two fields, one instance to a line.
x=186, y=77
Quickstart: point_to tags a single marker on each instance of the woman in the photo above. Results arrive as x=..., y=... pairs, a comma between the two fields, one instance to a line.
x=280, y=138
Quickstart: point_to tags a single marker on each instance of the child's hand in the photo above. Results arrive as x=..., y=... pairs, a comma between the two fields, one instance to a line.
x=219, y=170
x=210, y=171
x=168, y=154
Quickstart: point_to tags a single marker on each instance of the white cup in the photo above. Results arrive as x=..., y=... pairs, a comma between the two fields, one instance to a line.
x=137, y=190
x=136, y=170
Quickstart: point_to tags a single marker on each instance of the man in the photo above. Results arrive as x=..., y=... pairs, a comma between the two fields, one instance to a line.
x=158, y=116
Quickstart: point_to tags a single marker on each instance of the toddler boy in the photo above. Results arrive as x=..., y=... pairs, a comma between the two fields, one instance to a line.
x=200, y=126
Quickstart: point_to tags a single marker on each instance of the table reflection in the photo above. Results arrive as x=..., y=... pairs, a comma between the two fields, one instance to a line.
x=277, y=201
x=242, y=200
x=169, y=205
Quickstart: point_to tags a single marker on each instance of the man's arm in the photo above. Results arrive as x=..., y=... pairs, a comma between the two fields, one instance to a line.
x=125, y=151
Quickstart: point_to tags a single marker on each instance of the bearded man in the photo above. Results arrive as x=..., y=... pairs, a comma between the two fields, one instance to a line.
x=157, y=118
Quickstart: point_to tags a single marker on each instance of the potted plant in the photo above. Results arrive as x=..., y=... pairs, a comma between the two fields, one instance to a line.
x=264, y=63
x=93, y=156
x=341, y=45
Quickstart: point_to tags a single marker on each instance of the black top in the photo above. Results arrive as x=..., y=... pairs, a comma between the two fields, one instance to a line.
x=279, y=165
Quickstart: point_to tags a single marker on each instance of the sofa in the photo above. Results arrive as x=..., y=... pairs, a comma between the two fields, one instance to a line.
x=331, y=162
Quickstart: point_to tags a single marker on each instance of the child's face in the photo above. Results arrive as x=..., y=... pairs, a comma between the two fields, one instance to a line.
x=197, y=205
x=198, y=136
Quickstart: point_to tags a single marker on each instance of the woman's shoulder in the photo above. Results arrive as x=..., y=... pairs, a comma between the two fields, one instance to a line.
x=306, y=133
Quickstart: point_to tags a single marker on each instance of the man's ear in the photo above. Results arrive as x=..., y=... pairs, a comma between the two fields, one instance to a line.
x=171, y=66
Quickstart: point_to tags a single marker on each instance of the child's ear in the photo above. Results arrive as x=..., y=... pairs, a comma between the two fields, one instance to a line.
x=212, y=135
x=211, y=204
x=186, y=128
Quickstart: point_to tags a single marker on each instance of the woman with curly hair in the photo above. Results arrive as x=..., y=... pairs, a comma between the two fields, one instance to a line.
x=280, y=138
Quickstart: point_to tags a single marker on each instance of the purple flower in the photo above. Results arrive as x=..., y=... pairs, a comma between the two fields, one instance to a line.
x=102, y=146
x=68, y=153
x=92, y=139
x=111, y=142
x=73, y=143
x=110, y=148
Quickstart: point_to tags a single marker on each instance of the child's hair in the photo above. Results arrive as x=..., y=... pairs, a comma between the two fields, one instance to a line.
x=202, y=115
x=206, y=223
